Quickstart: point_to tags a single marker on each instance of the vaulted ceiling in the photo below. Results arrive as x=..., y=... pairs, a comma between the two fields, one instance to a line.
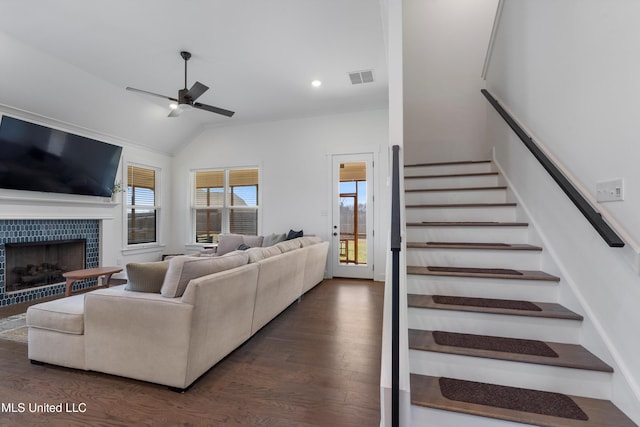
x=70, y=61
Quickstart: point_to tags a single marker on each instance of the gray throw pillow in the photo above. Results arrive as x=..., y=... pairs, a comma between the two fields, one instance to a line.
x=146, y=276
x=272, y=239
x=252, y=241
x=228, y=243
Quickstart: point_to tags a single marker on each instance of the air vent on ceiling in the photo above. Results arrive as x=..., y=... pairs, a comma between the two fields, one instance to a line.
x=358, y=77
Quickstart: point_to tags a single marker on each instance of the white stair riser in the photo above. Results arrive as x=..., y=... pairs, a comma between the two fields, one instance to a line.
x=449, y=169
x=581, y=382
x=460, y=196
x=523, y=290
x=451, y=182
x=524, y=260
x=422, y=416
x=493, y=213
x=535, y=328
x=467, y=234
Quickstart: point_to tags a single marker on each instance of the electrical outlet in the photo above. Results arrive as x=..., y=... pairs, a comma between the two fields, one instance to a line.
x=610, y=191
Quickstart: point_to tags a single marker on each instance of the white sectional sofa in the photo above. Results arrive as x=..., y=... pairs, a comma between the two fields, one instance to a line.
x=206, y=308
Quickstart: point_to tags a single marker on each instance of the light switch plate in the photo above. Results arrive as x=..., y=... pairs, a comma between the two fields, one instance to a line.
x=610, y=191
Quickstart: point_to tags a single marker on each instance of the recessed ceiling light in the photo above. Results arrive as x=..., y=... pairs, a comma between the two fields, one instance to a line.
x=316, y=83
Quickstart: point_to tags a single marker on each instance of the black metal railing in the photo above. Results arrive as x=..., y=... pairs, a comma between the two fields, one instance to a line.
x=593, y=216
x=396, y=244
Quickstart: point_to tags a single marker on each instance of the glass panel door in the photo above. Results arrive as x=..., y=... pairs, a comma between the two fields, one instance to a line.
x=352, y=233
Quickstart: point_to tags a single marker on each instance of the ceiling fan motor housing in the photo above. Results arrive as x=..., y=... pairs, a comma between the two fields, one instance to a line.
x=183, y=97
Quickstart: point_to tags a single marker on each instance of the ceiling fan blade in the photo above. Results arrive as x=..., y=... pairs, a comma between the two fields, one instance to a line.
x=176, y=112
x=213, y=109
x=196, y=90
x=132, y=89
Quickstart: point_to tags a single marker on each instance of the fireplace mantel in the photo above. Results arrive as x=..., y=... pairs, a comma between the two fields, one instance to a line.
x=35, y=205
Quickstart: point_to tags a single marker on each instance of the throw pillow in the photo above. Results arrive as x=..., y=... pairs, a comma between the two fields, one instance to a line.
x=253, y=241
x=229, y=243
x=273, y=238
x=243, y=247
x=294, y=234
x=184, y=268
x=146, y=276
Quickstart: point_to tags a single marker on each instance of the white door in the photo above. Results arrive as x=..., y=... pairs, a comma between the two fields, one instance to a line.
x=352, y=216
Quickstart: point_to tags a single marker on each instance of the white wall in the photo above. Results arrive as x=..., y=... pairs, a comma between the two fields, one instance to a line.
x=568, y=71
x=445, y=42
x=295, y=164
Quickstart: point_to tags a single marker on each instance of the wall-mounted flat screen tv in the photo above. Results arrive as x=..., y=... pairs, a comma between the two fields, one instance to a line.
x=38, y=158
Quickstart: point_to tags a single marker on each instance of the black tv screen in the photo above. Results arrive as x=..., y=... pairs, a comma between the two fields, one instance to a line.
x=38, y=158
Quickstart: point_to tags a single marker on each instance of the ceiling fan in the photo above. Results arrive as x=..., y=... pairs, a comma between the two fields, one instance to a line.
x=186, y=97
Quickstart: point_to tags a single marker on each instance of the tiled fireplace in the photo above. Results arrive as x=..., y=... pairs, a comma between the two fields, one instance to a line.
x=61, y=240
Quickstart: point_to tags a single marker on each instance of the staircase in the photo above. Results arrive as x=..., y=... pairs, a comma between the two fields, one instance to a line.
x=489, y=343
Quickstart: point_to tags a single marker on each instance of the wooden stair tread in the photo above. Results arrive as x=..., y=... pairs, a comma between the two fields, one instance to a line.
x=491, y=273
x=425, y=391
x=462, y=162
x=452, y=175
x=462, y=205
x=569, y=355
x=429, y=190
x=547, y=309
x=471, y=245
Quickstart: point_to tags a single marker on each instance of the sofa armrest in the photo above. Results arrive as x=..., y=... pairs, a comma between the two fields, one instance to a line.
x=223, y=311
x=139, y=335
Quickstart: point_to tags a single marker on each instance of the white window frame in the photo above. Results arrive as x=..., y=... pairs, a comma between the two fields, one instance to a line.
x=157, y=207
x=226, y=208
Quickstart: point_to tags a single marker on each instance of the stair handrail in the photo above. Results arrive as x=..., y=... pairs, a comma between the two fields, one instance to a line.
x=396, y=246
x=579, y=200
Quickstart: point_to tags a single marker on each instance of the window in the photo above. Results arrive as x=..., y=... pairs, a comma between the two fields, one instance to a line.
x=142, y=208
x=225, y=201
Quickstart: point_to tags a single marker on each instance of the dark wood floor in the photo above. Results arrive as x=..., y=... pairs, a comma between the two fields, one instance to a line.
x=317, y=364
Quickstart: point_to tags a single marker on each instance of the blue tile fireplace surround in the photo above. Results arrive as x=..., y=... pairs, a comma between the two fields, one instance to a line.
x=39, y=230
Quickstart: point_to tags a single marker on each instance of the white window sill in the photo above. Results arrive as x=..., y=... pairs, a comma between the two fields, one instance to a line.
x=199, y=246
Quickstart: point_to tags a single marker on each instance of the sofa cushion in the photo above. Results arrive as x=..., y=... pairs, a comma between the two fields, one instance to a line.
x=258, y=254
x=288, y=245
x=309, y=240
x=61, y=315
x=184, y=268
x=273, y=238
x=146, y=276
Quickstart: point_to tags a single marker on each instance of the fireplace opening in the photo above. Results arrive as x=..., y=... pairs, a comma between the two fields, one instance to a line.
x=33, y=264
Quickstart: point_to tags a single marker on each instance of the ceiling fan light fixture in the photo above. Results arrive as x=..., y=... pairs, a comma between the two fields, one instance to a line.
x=173, y=105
